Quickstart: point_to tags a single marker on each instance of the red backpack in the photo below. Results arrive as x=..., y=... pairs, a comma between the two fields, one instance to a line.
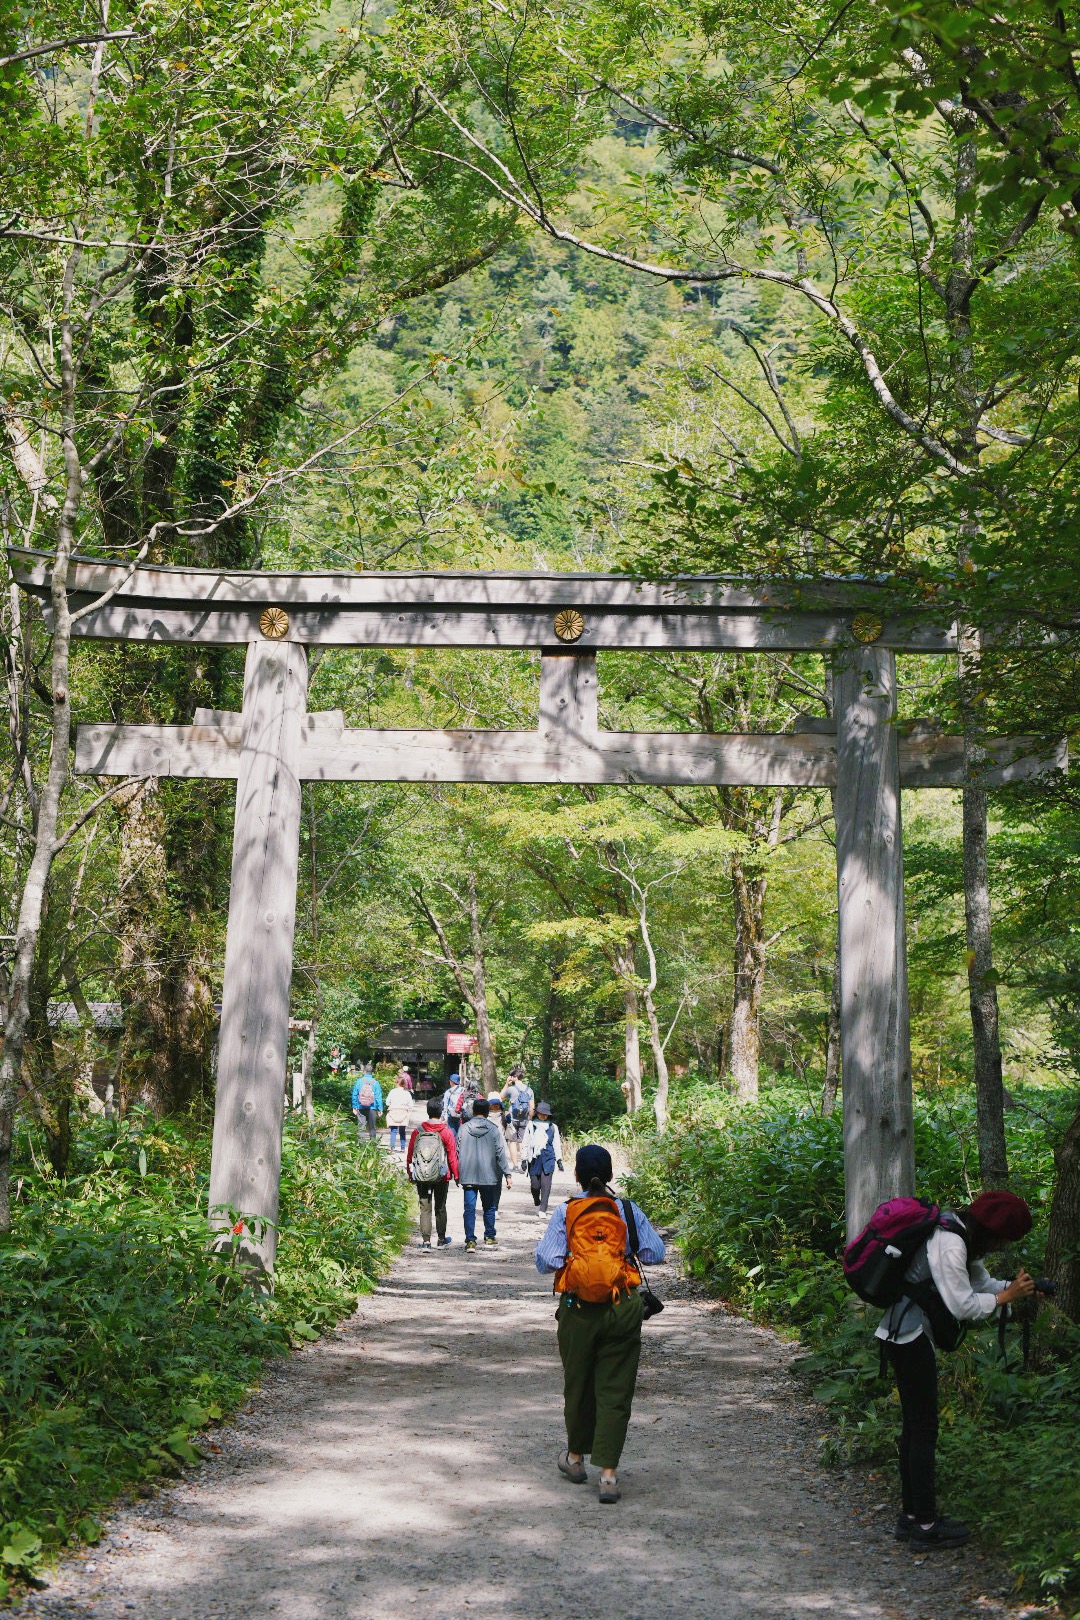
x=876, y=1261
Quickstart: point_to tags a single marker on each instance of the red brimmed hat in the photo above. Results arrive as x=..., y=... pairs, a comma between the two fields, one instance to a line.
x=1002, y=1214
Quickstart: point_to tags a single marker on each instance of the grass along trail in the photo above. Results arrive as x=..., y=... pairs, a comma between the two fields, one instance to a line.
x=406, y=1466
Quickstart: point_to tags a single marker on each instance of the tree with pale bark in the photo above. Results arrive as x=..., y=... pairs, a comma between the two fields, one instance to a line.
x=203, y=215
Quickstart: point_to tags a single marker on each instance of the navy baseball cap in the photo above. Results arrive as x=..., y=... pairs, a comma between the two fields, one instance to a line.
x=593, y=1160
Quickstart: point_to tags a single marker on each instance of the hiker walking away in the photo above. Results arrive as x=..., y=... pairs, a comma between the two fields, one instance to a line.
x=948, y=1285
x=541, y=1151
x=482, y=1158
x=519, y=1099
x=513, y=1147
x=588, y=1245
x=398, y=1114
x=432, y=1163
x=472, y=1092
x=495, y=1114
x=453, y=1103
x=367, y=1104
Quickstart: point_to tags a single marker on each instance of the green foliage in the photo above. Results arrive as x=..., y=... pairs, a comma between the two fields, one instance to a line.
x=757, y=1197
x=122, y=1335
x=584, y=1100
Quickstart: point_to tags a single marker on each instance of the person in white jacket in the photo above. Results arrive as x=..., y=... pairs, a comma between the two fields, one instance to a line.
x=541, y=1151
x=949, y=1285
x=398, y=1114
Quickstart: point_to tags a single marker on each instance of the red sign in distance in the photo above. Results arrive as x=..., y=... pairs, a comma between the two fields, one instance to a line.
x=462, y=1043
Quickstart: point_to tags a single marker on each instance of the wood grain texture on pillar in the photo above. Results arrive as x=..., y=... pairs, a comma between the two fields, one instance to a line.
x=879, y=1158
x=568, y=697
x=252, y=1053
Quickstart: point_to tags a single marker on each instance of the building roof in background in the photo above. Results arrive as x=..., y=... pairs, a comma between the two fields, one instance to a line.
x=416, y=1035
x=106, y=1014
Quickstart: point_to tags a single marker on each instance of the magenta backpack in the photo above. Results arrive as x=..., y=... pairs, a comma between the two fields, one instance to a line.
x=875, y=1262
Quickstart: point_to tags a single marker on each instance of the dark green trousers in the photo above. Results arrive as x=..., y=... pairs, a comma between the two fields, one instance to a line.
x=600, y=1346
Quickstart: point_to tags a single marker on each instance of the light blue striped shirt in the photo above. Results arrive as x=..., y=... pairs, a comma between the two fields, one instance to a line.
x=551, y=1249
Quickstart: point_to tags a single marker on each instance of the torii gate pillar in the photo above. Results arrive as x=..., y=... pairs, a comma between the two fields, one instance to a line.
x=879, y=1154
x=246, y=1166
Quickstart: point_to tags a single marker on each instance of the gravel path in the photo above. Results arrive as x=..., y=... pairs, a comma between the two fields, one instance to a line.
x=406, y=1466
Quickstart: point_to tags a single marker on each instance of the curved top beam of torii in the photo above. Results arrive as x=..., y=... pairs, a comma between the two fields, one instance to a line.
x=430, y=609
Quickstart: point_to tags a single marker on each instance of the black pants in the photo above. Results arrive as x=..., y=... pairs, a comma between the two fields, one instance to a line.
x=915, y=1366
x=540, y=1186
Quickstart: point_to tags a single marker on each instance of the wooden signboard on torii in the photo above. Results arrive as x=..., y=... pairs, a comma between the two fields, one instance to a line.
x=274, y=744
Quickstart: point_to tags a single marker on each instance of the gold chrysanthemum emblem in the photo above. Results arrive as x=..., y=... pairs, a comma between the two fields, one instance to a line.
x=274, y=623
x=866, y=627
x=569, y=625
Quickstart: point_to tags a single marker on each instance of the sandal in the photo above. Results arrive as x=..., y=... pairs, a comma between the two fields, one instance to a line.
x=609, y=1490
x=577, y=1472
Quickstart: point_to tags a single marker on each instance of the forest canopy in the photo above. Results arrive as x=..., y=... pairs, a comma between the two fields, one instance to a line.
x=772, y=291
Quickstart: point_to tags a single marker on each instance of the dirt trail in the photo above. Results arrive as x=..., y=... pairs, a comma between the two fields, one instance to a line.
x=406, y=1466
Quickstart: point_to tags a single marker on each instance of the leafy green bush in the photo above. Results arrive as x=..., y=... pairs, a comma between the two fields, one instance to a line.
x=583, y=1100
x=121, y=1334
x=757, y=1196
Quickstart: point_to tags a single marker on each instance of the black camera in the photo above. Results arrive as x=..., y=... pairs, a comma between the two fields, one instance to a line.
x=1045, y=1286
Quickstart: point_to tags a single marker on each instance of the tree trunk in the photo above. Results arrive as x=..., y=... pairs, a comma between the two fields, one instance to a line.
x=832, y=1038
x=625, y=966
x=745, y=1039
x=660, y=1104
x=547, y=1041
x=167, y=874
x=49, y=1082
x=7, y=1127
x=1063, y=1240
x=307, y=1069
x=722, y=1049
x=32, y=901
x=488, y=1071
x=982, y=993
x=143, y=890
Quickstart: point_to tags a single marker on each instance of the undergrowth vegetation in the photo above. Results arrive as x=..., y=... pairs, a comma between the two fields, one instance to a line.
x=121, y=1335
x=756, y=1194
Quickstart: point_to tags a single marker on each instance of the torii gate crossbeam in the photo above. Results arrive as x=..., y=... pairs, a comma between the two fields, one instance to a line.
x=275, y=744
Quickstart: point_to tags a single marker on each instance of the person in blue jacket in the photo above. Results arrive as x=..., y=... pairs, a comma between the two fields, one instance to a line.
x=367, y=1104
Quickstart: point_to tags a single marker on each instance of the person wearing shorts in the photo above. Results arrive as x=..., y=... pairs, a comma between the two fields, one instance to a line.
x=519, y=1102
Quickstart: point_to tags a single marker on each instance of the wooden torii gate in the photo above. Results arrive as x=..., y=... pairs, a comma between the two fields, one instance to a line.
x=274, y=744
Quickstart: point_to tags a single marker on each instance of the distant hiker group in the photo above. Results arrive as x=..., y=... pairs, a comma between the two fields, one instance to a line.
x=481, y=1141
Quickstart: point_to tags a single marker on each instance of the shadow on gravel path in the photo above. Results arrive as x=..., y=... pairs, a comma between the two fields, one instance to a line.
x=406, y=1466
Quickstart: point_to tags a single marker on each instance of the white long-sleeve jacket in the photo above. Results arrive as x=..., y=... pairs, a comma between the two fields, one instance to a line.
x=966, y=1288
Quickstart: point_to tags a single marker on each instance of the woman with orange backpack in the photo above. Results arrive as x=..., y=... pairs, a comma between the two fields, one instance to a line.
x=592, y=1243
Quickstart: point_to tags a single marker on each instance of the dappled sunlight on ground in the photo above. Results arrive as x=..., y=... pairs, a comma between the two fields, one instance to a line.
x=407, y=1466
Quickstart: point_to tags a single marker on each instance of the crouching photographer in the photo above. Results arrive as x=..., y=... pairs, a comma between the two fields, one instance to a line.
x=946, y=1286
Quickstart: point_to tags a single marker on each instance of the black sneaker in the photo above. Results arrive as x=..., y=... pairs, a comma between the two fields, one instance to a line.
x=942, y=1533
x=444, y=1243
x=425, y=1245
x=905, y=1524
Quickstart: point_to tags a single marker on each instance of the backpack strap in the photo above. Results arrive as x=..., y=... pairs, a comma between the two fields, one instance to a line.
x=631, y=1224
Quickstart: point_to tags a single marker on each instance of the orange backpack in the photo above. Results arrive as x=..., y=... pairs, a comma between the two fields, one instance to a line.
x=597, y=1268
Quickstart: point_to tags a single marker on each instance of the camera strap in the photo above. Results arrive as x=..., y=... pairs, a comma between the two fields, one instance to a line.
x=631, y=1227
